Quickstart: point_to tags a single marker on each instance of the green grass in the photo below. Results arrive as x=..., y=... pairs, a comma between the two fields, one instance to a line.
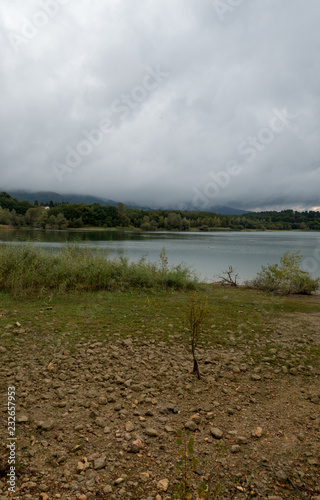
x=236, y=317
x=26, y=270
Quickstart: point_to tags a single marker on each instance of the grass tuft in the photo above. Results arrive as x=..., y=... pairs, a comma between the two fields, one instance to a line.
x=26, y=270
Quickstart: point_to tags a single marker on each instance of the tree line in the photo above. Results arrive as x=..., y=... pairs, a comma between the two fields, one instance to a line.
x=80, y=215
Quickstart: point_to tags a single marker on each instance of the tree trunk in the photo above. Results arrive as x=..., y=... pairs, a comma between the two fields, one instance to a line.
x=196, y=367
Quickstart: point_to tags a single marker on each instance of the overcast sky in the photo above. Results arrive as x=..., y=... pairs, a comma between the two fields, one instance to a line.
x=203, y=102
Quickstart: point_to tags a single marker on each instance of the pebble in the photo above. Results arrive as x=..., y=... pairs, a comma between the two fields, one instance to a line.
x=22, y=419
x=118, y=481
x=281, y=475
x=149, y=431
x=99, y=463
x=196, y=418
x=100, y=422
x=216, y=433
x=163, y=484
x=144, y=476
x=130, y=427
x=235, y=448
x=136, y=446
x=242, y=440
x=257, y=432
x=46, y=425
x=169, y=429
x=107, y=489
x=191, y=425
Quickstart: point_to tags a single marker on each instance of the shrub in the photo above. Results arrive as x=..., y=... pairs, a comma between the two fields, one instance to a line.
x=286, y=278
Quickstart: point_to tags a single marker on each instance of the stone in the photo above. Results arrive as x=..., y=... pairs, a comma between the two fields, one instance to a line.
x=151, y=432
x=80, y=466
x=191, y=425
x=144, y=476
x=130, y=427
x=257, y=432
x=99, y=463
x=235, y=448
x=281, y=475
x=169, y=429
x=46, y=425
x=242, y=440
x=107, y=489
x=216, y=433
x=172, y=409
x=196, y=418
x=118, y=481
x=93, y=414
x=313, y=461
x=22, y=419
x=100, y=422
x=136, y=446
x=163, y=484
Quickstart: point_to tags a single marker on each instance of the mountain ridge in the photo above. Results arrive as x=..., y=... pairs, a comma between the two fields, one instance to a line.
x=47, y=196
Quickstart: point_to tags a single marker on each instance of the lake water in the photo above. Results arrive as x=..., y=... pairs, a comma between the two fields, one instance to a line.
x=207, y=253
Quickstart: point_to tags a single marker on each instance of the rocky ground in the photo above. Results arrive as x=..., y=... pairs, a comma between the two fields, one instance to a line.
x=101, y=420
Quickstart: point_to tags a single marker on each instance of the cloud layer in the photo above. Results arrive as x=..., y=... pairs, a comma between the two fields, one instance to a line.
x=151, y=101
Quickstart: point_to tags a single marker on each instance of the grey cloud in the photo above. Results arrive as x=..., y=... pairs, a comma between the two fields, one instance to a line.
x=225, y=79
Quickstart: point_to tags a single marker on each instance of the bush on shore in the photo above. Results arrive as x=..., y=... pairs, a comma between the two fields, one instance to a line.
x=25, y=269
x=286, y=278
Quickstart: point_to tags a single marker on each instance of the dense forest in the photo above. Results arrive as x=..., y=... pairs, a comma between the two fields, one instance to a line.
x=79, y=215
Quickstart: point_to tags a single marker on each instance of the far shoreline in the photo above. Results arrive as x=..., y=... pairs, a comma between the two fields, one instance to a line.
x=139, y=230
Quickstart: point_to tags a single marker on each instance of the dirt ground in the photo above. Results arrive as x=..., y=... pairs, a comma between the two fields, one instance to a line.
x=101, y=421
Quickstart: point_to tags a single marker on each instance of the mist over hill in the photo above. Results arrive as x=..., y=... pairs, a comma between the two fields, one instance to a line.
x=47, y=196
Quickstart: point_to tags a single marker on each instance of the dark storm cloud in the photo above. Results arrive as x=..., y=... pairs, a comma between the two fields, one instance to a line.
x=167, y=97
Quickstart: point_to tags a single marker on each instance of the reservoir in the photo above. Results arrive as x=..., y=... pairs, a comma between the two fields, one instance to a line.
x=207, y=253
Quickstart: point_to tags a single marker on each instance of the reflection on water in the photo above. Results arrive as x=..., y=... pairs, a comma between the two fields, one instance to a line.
x=207, y=253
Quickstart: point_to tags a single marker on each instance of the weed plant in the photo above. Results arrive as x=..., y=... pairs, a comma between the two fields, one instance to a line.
x=25, y=270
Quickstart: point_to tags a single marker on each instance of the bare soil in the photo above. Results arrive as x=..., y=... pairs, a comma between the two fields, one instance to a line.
x=101, y=420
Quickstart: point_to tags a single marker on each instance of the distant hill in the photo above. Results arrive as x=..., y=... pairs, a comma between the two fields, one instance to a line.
x=228, y=210
x=47, y=196
x=220, y=209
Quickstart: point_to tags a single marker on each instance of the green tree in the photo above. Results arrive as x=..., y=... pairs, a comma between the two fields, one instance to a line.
x=173, y=221
x=122, y=214
x=36, y=217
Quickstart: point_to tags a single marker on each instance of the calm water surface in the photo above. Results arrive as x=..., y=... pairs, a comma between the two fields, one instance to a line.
x=207, y=253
